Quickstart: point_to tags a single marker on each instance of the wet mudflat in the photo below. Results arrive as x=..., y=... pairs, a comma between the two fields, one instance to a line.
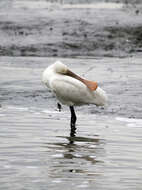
x=36, y=149
x=38, y=28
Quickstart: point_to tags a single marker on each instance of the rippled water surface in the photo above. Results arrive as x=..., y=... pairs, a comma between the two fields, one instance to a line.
x=37, y=151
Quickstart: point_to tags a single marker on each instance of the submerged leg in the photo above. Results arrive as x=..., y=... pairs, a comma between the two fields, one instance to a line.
x=73, y=118
x=72, y=135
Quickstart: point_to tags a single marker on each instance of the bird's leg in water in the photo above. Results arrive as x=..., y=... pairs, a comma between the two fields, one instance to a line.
x=59, y=106
x=72, y=135
x=73, y=118
x=72, y=132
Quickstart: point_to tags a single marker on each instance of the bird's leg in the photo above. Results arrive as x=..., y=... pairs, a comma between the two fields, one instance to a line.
x=73, y=118
x=72, y=135
x=73, y=132
x=59, y=106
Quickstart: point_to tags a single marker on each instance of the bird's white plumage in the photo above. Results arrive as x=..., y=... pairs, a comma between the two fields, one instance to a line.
x=69, y=90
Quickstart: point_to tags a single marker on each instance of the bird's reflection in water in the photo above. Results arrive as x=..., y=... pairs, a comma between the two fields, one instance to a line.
x=73, y=155
x=85, y=148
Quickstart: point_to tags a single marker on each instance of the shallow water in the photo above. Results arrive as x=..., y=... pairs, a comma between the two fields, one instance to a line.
x=45, y=5
x=95, y=6
x=37, y=151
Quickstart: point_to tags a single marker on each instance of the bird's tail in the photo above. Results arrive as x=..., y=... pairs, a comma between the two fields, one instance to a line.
x=100, y=97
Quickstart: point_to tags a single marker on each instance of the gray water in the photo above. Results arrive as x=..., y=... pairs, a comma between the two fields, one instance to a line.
x=37, y=151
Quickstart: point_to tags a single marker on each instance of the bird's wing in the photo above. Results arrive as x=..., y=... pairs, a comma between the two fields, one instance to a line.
x=70, y=91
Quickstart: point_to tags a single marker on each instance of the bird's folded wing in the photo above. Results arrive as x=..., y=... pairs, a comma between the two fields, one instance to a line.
x=71, y=91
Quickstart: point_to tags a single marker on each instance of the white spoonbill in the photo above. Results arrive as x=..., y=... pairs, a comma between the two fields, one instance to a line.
x=72, y=90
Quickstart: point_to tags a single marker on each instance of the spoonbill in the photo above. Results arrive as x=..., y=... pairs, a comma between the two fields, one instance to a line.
x=72, y=90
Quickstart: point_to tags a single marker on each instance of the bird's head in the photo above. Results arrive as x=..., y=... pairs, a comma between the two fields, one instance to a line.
x=59, y=67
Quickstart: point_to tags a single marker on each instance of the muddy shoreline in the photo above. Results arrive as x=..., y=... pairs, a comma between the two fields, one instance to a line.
x=62, y=32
